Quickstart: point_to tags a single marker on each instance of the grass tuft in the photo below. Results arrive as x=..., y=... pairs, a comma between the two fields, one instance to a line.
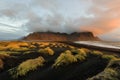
x=47, y=50
x=27, y=66
x=65, y=59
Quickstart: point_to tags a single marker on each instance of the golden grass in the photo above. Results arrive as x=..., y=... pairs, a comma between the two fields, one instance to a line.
x=107, y=74
x=65, y=58
x=81, y=54
x=30, y=65
x=109, y=57
x=96, y=53
x=1, y=64
x=3, y=56
x=75, y=55
x=46, y=50
x=114, y=61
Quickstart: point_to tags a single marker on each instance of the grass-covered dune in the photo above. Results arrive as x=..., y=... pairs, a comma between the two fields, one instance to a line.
x=21, y=60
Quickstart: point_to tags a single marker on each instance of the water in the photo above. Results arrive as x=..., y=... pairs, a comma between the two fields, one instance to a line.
x=101, y=44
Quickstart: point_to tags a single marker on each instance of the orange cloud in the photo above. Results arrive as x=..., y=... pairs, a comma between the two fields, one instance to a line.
x=101, y=27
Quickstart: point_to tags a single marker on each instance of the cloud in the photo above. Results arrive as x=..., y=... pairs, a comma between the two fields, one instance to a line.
x=98, y=16
x=114, y=35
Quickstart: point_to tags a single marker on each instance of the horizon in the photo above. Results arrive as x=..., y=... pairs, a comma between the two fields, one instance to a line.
x=102, y=17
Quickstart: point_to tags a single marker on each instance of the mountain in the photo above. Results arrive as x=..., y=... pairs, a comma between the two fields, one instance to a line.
x=52, y=36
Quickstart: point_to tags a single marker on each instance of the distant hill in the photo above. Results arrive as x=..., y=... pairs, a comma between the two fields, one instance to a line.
x=52, y=36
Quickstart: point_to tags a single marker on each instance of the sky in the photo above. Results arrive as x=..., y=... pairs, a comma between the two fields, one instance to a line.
x=18, y=18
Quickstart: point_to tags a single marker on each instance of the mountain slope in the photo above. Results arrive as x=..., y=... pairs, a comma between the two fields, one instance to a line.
x=51, y=36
